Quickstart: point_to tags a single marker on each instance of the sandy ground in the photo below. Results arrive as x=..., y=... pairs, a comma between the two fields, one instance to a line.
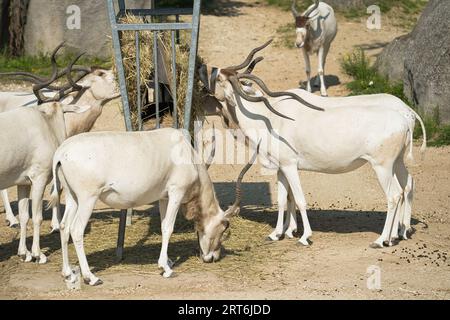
x=346, y=211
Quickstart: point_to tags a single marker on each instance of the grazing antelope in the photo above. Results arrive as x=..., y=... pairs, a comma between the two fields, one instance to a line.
x=316, y=29
x=123, y=170
x=302, y=131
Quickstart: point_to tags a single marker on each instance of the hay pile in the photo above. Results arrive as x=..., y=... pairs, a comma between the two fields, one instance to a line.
x=148, y=69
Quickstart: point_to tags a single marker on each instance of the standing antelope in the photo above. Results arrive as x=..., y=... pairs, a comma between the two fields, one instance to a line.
x=348, y=133
x=316, y=29
x=84, y=90
x=30, y=136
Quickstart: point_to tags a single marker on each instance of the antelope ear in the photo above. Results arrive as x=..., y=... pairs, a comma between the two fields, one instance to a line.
x=230, y=99
x=203, y=76
x=48, y=108
x=71, y=108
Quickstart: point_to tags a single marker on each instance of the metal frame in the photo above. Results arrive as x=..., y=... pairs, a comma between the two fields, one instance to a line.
x=175, y=28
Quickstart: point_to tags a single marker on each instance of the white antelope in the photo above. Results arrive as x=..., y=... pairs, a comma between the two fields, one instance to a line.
x=123, y=170
x=348, y=133
x=87, y=89
x=29, y=138
x=316, y=29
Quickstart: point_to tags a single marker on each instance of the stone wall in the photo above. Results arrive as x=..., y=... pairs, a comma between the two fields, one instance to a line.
x=47, y=26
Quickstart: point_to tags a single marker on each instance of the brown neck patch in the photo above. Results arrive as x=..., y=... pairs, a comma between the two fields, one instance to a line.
x=300, y=22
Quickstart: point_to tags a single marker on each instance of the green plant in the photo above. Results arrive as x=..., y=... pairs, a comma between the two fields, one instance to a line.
x=366, y=78
x=286, y=36
x=41, y=65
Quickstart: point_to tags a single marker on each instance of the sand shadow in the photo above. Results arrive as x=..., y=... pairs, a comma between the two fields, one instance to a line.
x=330, y=221
x=373, y=46
x=330, y=81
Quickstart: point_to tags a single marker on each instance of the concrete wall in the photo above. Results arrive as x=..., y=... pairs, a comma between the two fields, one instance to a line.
x=47, y=26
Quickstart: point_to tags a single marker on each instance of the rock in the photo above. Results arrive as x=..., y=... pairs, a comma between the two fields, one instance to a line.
x=47, y=27
x=390, y=62
x=421, y=60
x=427, y=61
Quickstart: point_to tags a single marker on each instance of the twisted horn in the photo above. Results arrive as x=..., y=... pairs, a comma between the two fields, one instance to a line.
x=71, y=87
x=237, y=88
x=252, y=65
x=39, y=86
x=293, y=9
x=73, y=83
x=37, y=80
x=263, y=86
x=213, y=150
x=249, y=58
x=235, y=208
x=316, y=5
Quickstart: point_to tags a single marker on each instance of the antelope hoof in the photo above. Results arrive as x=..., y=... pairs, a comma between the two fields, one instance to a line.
x=13, y=224
x=97, y=282
x=72, y=278
x=290, y=234
x=274, y=237
x=389, y=244
x=303, y=242
x=376, y=245
x=93, y=282
x=167, y=274
x=41, y=259
x=26, y=257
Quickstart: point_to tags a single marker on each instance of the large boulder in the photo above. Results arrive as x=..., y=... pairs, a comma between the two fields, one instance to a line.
x=46, y=26
x=427, y=60
x=421, y=60
x=390, y=62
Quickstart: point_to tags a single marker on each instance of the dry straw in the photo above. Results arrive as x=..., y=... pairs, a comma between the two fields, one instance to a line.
x=148, y=68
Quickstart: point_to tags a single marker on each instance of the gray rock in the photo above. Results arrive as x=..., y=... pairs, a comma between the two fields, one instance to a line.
x=427, y=60
x=390, y=62
x=47, y=26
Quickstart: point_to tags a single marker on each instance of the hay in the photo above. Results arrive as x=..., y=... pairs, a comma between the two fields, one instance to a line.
x=147, y=70
x=246, y=252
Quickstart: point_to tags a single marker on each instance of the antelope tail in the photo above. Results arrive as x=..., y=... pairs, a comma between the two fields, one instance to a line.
x=56, y=191
x=424, y=132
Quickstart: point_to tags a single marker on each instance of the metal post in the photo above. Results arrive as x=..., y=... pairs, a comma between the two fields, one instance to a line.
x=156, y=75
x=125, y=216
x=119, y=64
x=138, y=80
x=192, y=62
x=177, y=19
x=174, y=82
x=121, y=236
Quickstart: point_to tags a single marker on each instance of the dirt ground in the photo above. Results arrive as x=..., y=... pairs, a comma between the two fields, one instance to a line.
x=347, y=212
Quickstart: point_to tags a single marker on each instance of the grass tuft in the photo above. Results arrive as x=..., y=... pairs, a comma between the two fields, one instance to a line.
x=41, y=65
